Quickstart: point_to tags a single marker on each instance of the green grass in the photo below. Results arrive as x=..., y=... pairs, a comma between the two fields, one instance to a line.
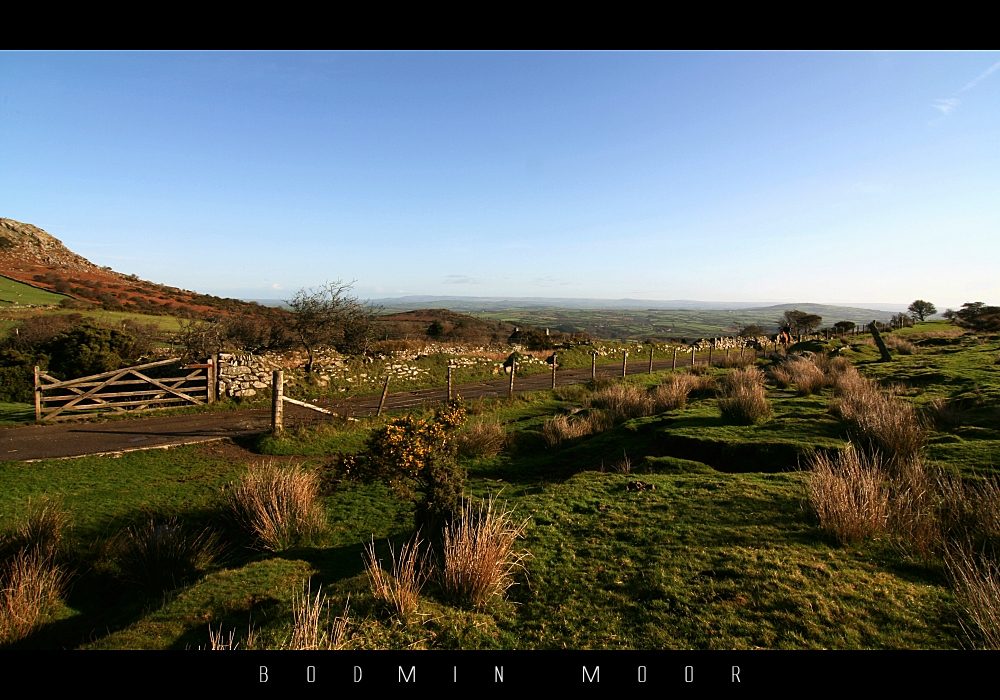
x=16, y=413
x=166, y=324
x=718, y=550
x=18, y=294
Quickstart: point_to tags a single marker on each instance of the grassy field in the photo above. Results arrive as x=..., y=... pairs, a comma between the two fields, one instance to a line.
x=716, y=548
x=17, y=294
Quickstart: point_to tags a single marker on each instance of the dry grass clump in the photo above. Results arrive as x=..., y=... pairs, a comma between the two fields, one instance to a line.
x=976, y=581
x=803, y=372
x=623, y=401
x=400, y=590
x=279, y=506
x=162, y=555
x=742, y=397
x=943, y=413
x=43, y=527
x=312, y=628
x=480, y=559
x=673, y=393
x=30, y=584
x=481, y=438
x=559, y=429
x=734, y=359
x=899, y=344
x=849, y=494
x=886, y=423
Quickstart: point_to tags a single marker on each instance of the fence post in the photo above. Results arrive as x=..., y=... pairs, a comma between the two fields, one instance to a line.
x=693, y=349
x=211, y=380
x=593, y=366
x=449, y=383
x=651, y=346
x=510, y=389
x=624, y=361
x=711, y=348
x=742, y=348
x=554, y=370
x=38, y=397
x=673, y=363
x=385, y=392
x=277, y=402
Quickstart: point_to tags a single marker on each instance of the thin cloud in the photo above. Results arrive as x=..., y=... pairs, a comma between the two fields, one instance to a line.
x=980, y=78
x=460, y=279
x=946, y=105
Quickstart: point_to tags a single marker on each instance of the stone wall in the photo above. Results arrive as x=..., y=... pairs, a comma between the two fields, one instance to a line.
x=246, y=375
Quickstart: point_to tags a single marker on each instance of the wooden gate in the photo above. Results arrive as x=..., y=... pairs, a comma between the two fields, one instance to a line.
x=121, y=390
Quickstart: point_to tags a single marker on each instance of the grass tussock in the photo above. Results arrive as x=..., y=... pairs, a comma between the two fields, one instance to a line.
x=623, y=401
x=399, y=590
x=943, y=414
x=673, y=393
x=480, y=554
x=30, y=584
x=899, y=344
x=312, y=628
x=975, y=579
x=849, y=495
x=802, y=372
x=42, y=528
x=886, y=423
x=162, y=555
x=742, y=398
x=278, y=505
x=481, y=438
x=559, y=429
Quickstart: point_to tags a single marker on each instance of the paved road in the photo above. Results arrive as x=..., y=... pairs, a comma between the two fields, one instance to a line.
x=77, y=438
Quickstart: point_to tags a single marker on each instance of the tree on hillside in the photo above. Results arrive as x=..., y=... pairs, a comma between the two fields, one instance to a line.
x=844, y=326
x=329, y=315
x=921, y=309
x=800, y=321
x=750, y=331
x=978, y=316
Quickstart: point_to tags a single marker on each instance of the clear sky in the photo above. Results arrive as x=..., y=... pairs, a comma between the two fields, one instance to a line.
x=743, y=176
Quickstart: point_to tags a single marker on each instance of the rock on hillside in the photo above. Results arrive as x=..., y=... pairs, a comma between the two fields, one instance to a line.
x=24, y=244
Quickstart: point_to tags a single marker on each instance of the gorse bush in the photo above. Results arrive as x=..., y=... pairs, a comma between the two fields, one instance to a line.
x=399, y=590
x=742, y=397
x=849, y=494
x=417, y=456
x=480, y=554
x=162, y=555
x=279, y=506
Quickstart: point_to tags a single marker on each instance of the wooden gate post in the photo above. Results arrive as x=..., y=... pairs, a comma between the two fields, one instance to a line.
x=210, y=398
x=277, y=402
x=449, y=383
x=554, y=370
x=593, y=366
x=38, y=397
x=385, y=392
x=624, y=362
x=510, y=388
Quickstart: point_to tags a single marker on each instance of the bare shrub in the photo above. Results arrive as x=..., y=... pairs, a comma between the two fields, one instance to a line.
x=849, y=494
x=30, y=584
x=481, y=438
x=976, y=581
x=312, y=628
x=162, y=555
x=623, y=401
x=480, y=558
x=673, y=393
x=742, y=396
x=279, y=506
x=400, y=590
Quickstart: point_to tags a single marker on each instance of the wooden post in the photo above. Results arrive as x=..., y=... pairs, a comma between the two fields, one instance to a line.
x=624, y=361
x=277, y=402
x=211, y=380
x=385, y=393
x=873, y=327
x=727, y=356
x=673, y=363
x=553, y=370
x=510, y=389
x=694, y=349
x=38, y=397
x=711, y=349
x=593, y=366
x=449, y=383
x=650, y=358
x=742, y=348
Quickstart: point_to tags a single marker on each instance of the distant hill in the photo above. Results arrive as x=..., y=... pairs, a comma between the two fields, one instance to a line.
x=444, y=325
x=34, y=257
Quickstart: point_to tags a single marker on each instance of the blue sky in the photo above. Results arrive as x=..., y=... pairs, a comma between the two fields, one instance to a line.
x=746, y=176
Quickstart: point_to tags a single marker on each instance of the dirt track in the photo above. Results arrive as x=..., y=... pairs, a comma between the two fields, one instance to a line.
x=113, y=436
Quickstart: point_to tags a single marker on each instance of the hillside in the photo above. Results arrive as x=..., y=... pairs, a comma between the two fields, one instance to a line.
x=32, y=256
x=443, y=324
